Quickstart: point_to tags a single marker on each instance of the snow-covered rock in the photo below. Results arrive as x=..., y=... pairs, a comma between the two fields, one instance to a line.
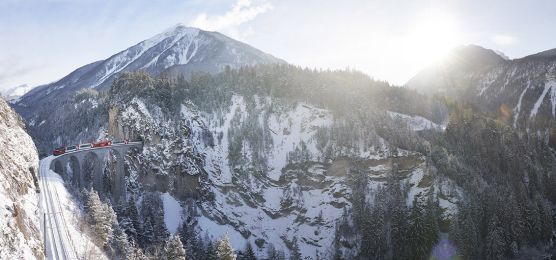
x=521, y=92
x=19, y=211
x=271, y=189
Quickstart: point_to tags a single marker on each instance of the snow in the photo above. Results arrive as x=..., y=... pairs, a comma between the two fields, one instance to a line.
x=552, y=85
x=549, y=86
x=16, y=92
x=250, y=205
x=415, y=190
x=123, y=59
x=218, y=159
x=19, y=230
x=416, y=123
x=290, y=129
x=172, y=212
x=70, y=220
x=517, y=108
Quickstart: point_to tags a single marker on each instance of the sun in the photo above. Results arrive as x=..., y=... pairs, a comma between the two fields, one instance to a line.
x=431, y=38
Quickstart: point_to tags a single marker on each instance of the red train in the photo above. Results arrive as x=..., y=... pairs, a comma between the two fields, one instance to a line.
x=103, y=143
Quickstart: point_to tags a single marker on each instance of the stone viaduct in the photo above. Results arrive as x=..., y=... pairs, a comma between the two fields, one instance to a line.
x=84, y=168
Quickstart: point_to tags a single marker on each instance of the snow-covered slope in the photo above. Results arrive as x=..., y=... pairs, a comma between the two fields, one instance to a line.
x=19, y=211
x=521, y=92
x=271, y=189
x=178, y=51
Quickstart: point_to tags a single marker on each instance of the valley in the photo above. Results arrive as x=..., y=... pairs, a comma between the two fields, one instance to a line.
x=194, y=145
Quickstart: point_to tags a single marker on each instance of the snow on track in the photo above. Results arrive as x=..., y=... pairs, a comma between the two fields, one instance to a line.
x=57, y=241
x=64, y=237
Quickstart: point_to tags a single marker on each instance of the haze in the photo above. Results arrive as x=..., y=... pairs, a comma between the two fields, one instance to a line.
x=390, y=40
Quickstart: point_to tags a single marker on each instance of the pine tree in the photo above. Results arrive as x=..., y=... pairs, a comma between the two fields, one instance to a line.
x=135, y=253
x=134, y=227
x=211, y=252
x=174, y=249
x=295, y=252
x=190, y=239
x=104, y=226
x=421, y=233
x=249, y=254
x=495, y=244
x=100, y=216
x=465, y=230
x=120, y=244
x=159, y=227
x=224, y=249
x=271, y=252
x=147, y=237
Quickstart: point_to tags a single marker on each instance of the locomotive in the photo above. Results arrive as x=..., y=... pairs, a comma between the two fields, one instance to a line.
x=103, y=143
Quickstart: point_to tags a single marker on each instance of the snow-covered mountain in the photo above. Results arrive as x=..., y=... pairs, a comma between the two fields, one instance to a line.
x=20, y=236
x=521, y=91
x=313, y=164
x=14, y=93
x=179, y=50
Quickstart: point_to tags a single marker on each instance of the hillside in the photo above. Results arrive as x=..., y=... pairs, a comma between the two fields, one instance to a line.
x=521, y=92
x=19, y=211
x=178, y=51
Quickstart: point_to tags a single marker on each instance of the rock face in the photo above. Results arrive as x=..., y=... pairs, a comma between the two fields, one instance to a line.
x=19, y=211
x=179, y=51
x=521, y=92
x=266, y=170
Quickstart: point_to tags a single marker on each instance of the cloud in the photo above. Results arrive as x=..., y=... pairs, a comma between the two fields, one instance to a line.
x=243, y=11
x=10, y=68
x=502, y=39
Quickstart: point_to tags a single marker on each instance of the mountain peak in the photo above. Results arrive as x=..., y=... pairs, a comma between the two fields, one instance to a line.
x=544, y=54
x=179, y=50
x=475, y=55
x=465, y=58
x=181, y=27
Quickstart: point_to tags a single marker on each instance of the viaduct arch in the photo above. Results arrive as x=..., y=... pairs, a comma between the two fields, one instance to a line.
x=85, y=168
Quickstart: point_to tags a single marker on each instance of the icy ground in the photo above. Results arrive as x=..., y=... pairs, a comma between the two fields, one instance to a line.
x=73, y=231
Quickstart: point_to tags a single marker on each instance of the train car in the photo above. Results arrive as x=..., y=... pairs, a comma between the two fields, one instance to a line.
x=102, y=143
x=85, y=146
x=72, y=148
x=59, y=151
x=125, y=141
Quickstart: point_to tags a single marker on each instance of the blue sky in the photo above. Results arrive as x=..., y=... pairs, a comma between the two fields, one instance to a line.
x=44, y=40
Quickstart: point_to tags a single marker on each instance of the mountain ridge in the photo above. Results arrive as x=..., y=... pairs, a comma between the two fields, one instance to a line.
x=179, y=50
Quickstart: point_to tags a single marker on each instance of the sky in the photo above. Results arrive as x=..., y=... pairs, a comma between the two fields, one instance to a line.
x=43, y=40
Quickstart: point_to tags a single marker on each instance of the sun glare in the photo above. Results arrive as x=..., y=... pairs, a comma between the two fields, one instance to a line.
x=432, y=37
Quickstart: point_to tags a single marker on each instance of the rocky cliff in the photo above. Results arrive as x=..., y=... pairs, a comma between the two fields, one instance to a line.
x=19, y=210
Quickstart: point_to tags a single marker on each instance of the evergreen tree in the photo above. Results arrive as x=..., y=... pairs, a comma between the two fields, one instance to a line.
x=190, y=239
x=465, y=230
x=136, y=253
x=120, y=244
x=249, y=253
x=159, y=227
x=211, y=252
x=295, y=252
x=100, y=216
x=422, y=234
x=174, y=249
x=495, y=244
x=274, y=254
x=224, y=249
x=147, y=237
x=133, y=225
